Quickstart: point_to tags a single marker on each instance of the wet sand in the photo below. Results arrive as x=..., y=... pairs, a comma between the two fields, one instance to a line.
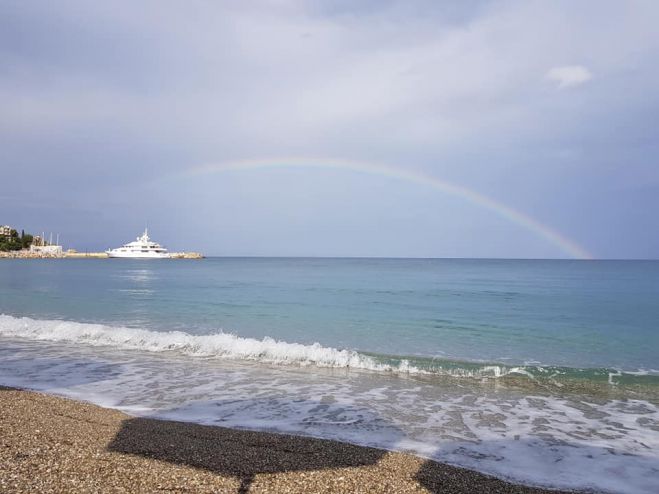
x=52, y=444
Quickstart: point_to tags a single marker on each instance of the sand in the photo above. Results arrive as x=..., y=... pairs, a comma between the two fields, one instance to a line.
x=52, y=444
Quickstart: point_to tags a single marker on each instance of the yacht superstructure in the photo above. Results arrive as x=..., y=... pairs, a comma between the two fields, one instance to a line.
x=141, y=248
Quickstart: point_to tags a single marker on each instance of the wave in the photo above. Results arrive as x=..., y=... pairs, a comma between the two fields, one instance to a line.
x=271, y=351
x=221, y=345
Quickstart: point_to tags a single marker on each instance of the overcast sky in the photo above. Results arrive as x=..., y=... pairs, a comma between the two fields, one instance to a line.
x=549, y=108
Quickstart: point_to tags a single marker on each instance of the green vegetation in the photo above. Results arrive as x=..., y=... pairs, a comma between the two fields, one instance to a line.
x=15, y=242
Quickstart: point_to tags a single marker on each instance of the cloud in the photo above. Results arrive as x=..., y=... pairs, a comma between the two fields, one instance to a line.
x=569, y=75
x=95, y=96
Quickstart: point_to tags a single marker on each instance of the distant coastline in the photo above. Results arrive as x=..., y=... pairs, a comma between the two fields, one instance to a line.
x=15, y=245
x=72, y=254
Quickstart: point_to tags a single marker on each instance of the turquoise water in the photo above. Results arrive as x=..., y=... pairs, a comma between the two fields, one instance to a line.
x=575, y=314
x=505, y=366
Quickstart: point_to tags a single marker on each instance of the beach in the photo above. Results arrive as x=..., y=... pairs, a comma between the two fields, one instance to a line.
x=517, y=370
x=54, y=444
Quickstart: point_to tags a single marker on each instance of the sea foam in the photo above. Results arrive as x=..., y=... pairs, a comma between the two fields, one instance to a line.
x=222, y=345
x=219, y=345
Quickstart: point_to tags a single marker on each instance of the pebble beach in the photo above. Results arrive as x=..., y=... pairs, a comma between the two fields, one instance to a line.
x=53, y=444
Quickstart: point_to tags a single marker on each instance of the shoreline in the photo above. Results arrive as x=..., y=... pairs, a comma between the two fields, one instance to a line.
x=57, y=444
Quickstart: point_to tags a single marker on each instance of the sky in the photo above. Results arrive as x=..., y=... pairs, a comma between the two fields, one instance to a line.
x=339, y=128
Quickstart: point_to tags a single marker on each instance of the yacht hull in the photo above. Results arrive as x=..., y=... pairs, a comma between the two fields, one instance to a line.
x=137, y=255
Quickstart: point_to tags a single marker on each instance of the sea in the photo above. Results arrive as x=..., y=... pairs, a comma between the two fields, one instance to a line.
x=544, y=372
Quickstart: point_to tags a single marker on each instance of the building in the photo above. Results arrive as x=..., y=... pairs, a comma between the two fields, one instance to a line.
x=50, y=250
x=5, y=231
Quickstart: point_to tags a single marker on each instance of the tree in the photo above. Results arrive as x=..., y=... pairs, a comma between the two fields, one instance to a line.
x=26, y=240
x=11, y=243
x=16, y=242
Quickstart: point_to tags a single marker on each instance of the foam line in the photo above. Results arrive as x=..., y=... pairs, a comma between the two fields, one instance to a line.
x=270, y=351
x=221, y=345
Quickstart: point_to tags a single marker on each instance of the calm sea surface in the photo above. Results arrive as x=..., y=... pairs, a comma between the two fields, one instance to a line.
x=540, y=371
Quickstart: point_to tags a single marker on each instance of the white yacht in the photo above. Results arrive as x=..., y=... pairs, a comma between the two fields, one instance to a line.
x=141, y=248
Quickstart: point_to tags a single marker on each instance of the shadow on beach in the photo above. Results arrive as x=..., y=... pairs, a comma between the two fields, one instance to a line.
x=70, y=446
x=238, y=453
x=245, y=454
x=440, y=478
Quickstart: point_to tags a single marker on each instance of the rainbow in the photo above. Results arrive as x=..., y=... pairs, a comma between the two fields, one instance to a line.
x=566, y=245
